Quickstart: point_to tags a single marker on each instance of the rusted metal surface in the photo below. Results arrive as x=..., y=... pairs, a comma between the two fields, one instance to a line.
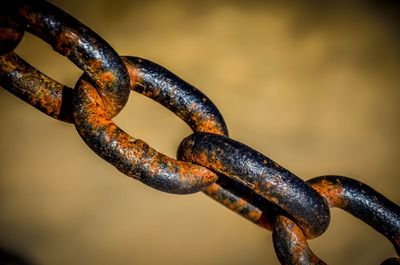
x=291, y=245
x=35, y=88
x=183, y=99
x=230, y=172
x=262, y=175
x=355, y=197
x=11, y=32
x=198, y=111
x=134, y=157
x=82, y=46
x=244, y=201
x=157, y=83
x=55, y=100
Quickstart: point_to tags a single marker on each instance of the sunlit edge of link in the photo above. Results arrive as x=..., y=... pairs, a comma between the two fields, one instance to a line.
x=354, y=197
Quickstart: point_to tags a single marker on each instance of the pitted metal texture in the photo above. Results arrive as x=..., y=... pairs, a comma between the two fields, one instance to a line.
x=232, y=173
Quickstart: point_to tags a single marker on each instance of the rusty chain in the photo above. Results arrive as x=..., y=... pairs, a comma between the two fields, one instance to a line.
x=230, y=172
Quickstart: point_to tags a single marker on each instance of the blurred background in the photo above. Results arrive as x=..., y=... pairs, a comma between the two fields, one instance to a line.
x=314, y=86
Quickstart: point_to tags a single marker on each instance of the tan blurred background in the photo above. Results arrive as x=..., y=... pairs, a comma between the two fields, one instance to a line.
x=313, y=86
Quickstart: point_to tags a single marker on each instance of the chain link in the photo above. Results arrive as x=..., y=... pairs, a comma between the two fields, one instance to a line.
x=230, y=172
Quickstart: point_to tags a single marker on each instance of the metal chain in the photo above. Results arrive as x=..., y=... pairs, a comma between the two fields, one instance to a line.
x=230, y=172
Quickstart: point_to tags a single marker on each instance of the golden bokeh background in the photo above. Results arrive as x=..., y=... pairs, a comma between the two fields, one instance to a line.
x=314, y=86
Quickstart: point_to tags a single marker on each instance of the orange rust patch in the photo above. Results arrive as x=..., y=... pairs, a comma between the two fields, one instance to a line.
x=217, y=165
x=65, y=42
x=300, y=252
x=239, y=205
x=95, y=64
x=133, y=73
x=7, y=62
x=107, y=77
x=331, y=192
x=201, y=159
x=254, y=215
x=212, y=189
x=195, y=172
x=206, y=125
x=97, y=115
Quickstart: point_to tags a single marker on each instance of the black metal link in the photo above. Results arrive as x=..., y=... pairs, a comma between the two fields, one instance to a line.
x=262, y=175
x=354, y=197
x=134, y=157
x=35, y=88
x=101, y=64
